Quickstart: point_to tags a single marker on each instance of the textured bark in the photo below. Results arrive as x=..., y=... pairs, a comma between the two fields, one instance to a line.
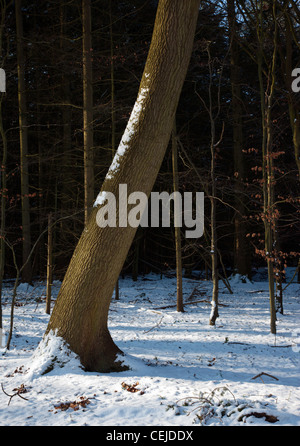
x=81, y=311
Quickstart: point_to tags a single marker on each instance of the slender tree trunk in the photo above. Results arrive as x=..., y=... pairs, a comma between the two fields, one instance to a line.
x=241, y=248
x=213, y=249
x=292, y=101
x=113, y=114
x=81, y=310
x=177, y=229
x=214, y=314
x=49, y=265
x=3, y=207
x=67, y=175
x=266, y=98
x=87, y=109
x=2, y=176
x=27, y=272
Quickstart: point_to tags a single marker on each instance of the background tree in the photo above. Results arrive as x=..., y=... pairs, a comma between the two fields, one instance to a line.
x=88, y=144
x=23, y=125
x=241, y=249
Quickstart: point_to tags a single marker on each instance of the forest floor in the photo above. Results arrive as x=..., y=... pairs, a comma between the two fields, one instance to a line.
x=183, y=371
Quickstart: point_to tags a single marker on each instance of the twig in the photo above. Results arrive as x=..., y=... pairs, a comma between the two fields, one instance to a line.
x=263, y=373
x=19, y=390
x=189, y=303
x=155, y=325
x=292, y=278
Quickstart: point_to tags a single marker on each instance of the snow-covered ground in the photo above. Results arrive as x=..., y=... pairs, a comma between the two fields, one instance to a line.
x=183, y=371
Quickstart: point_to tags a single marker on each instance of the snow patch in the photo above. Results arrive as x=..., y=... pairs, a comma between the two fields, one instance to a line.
x=236, y=279
x=25, y=288
x=51, y=353
x=129, y=131
x=100, y=199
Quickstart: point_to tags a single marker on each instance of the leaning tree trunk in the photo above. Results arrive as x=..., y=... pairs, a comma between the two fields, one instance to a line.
x=81, y=311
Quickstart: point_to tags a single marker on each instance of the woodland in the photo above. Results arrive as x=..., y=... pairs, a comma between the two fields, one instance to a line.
x=73, y=71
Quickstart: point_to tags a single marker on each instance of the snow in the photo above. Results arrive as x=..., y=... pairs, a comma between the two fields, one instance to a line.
x=129, y=131
x=126, y=138
x=101, y=197
x=183, y=372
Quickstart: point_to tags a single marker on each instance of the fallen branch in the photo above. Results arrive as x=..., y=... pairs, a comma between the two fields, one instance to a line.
x=196, y=292
x=268, y=418
x=263, y=373
x=157, y=325
x=189, y=303
x=19, y=390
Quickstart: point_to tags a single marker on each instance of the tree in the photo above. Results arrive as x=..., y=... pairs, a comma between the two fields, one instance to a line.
x=81, y=310
x=87, y=108
x=3, y=193
x=113, y=114
x=293, y=104
x=177, y=228
x=241, y=249
x=268, y=183
x=27, y=272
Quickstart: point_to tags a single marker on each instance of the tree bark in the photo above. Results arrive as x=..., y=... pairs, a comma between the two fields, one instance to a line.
x=292, y=102
x=81, y=311
x=49, y=265
x=241, y=248
x=176, y=228
x=27, y=272
x=2, y=207
x=2, y=176
x=113, y=114
x=66, y=160
x=266, y=98
x=88, y=139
